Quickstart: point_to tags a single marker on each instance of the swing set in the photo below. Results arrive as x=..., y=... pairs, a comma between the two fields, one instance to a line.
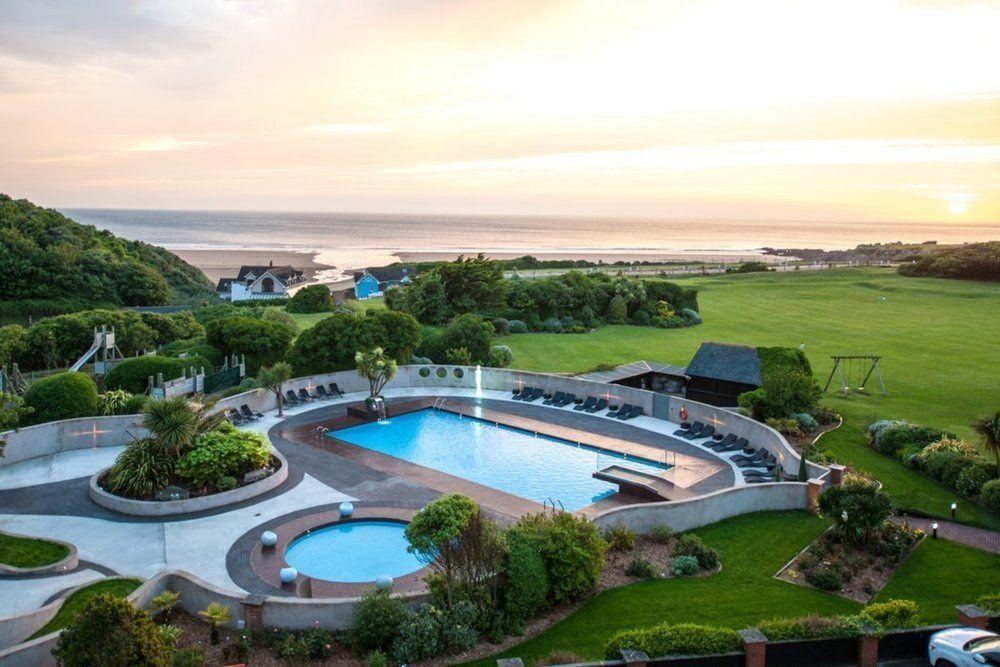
x=858, y=368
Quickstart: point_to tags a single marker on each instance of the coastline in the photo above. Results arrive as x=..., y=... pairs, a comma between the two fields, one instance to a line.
x=225, y=263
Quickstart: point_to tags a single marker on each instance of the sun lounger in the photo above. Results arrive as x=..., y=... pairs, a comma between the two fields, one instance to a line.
x=234, y=418
x=335, y=390
x=721, y=445
x=247, y=413
x=589, y=403
x=694, y=428
x=567, y=399
x=614, y=412
x=554, y=399
x=321, y=393
x=705, y=432
x=304, y=395
x=291, y=398
x=533, y=395
x=597, y=407
x=633, y=413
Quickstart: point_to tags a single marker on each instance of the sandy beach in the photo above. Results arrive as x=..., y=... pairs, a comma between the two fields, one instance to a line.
x=226, y=263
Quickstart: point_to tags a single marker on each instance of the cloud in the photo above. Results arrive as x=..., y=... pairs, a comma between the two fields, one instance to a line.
x=351, y=128
x=734, y=155
x=162, y=144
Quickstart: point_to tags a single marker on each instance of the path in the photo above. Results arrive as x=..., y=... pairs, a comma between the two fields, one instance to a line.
x=978, y=538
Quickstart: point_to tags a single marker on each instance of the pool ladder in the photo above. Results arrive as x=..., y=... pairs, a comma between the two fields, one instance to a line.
x=549, y=502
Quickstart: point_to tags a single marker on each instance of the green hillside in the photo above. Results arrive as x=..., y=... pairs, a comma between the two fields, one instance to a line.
x=51, y=264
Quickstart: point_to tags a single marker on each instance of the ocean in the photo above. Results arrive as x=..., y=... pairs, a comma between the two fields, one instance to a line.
x=355, y=240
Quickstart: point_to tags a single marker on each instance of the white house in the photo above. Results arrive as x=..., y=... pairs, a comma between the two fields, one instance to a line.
x=259, y=283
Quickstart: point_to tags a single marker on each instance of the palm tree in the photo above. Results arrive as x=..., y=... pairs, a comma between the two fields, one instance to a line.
x=377, y=367
x=273, y=378
x=988, y=428
x=175, y=423
x=217, y=615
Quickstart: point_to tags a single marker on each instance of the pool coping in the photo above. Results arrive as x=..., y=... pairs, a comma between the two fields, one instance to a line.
x=267, y=562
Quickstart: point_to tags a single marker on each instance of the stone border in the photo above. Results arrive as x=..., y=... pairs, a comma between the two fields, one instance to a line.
x=267, y=563
x=191, y=505
x=69, y=562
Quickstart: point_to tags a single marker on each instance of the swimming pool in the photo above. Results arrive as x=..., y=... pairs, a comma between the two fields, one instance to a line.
x=353, y=551
x=531, y=466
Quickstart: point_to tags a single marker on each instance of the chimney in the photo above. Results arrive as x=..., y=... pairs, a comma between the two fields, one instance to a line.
x=270, y=263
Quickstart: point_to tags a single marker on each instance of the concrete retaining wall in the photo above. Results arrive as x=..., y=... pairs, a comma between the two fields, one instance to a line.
x=703, y=510
x=198, y=504
x=70, y=562
x=70, y=434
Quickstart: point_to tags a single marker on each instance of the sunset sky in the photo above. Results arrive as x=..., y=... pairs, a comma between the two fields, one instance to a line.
x=771, y=109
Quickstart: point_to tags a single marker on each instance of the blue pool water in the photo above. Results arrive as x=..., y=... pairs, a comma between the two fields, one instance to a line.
x=353, y=551
x=509, y=459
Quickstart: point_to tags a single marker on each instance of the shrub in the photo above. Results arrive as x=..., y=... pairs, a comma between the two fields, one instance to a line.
x=692, y=545
x=989, y=496
x=571, y=547
x=311, y=299
x=661, y=534
x=641, y=568
x=811, y=627
x=112, y=633
x=189, y=657
x=133, y=375
x=516, y=327
x=223, y=452
x=935, y=456
x=685, y=566
x=61, y=396
x=953, y=469
x=262, y=343
x=617, y=311
x=620, y=538
x=682, y=639
x=559, y=657
x=317, y=642
x=806, y=422
x=376, y=621
x=640, y=318
x=457, y=356
x=472, y=333
x=501, y=356
x=972, y=478
x=691, y=316
x=421, y=361
x=990, y=602
x=824, y=579
x=116, y=402
x=419, y=636
x=865, y=507
x=785, y=425
x=376, y=659
x=553, y=325
x=527, y=583
x=500, y=326
x=139, y=471
x=892, y=614
x=276, y=315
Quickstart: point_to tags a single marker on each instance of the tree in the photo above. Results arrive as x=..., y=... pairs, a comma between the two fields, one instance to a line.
x=472, y=333
x=175, y=423
x=262, y=342
x=311, y=299
x=215, y=615
x=988, y=429
x=112, y=633
x=434, y=533
x=12, y=411
x=13, y=343
x=328, y=346
x=272, y=378
x=376, y=367
x=617, y=309
x=858, y=509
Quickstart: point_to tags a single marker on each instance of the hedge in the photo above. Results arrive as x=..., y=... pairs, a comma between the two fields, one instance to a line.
x=682, y=639
x=132, y=374
x=61, y=396
x=311, y=299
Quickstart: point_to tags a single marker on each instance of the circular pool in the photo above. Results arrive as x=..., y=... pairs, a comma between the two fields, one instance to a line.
x=353, y=551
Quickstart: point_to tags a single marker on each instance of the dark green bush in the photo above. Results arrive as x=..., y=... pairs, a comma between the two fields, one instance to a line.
x=972, y=261
x=527, y=583
x=892, y=614
x=620, y=537
x=376, y=621
x=685, y=566
x=691, y=545
x=189, y=657
x=824, y=579
x=661, y=534
x=224, y=452
x=990, y=602
x=139, y=471
x=972, y=478
x=262, y=343
x=812, y=627
x=61, y=396
x=311, y=299
x=990, y=496
x=641, y=568
x=682, y=639
x=112, y=633
x=133, y=375
x=472, y=333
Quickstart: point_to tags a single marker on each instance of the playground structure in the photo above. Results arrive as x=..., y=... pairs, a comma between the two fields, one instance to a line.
x=110, y=355
x=859, y=367
x=11, y=381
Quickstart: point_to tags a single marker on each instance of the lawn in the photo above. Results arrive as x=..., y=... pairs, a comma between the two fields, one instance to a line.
x=29, y=552
x=745, y=592
x=309, y=320
x=75, y=603
x=936, y=337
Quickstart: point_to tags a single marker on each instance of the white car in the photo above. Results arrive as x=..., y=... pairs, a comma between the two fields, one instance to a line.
x=964, y=647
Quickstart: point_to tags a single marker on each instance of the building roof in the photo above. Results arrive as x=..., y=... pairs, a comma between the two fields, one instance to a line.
x=224, y=284
x=725, y=361
x=388, y=274
x=632, y=370
x=282, y=273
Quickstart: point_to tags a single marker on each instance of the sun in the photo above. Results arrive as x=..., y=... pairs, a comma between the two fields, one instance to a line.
x=957, y=207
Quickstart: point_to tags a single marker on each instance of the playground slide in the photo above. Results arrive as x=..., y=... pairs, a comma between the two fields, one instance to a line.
x=86, y=355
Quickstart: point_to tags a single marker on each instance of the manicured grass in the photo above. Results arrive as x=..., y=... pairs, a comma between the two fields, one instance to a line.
x=309, y=320
x=940, y=575
x=934, y=336
x=75, y=603
x=30, y=552
x=752, y=548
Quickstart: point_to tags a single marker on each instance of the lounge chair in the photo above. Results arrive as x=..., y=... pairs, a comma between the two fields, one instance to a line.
x=321, y=393
x=291, y=398
x=614, y=412
x=554, y=399
x=721, y=445
x=624, y=411
x=335, y=390
x=705, y=432
x=567, y=399
x=632, y=414
x=597, y=407
x=247, y=413
x=234, y=417
x=693, y=428
x=589, y=403
x=758, y=459
x=534, y=395
x=304, y=395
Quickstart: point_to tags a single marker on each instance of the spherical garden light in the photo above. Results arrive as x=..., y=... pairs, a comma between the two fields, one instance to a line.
x=383, y=582
x=268, y=538
x=346, y=509
x=288, y=575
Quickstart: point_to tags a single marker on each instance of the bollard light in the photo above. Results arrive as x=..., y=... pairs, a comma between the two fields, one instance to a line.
x=934, y=527
x=954, y=506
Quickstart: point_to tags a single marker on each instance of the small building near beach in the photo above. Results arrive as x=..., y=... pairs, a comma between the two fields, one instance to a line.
x=259, y=283
x=720, y=372
x=372, y=283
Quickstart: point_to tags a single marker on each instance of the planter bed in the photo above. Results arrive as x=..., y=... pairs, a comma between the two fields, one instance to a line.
x=135, y=507
x=29, y=555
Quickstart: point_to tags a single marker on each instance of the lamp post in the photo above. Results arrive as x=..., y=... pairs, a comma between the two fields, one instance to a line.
x=934, y=527
x=954, y=506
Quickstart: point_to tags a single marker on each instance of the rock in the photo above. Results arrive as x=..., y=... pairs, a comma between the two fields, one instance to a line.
x=172, y=493
x=256, y=475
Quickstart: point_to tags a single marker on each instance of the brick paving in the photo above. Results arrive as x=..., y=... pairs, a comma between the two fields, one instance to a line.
x=979, y=538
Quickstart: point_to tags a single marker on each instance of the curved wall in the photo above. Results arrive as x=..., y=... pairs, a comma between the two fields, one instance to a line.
x=70, y=434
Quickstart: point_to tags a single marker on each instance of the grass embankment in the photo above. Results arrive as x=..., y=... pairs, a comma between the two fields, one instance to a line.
x=75, y=603
x=745, y=592
x=933, y=334
x=30, y=552
x=309, y=320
